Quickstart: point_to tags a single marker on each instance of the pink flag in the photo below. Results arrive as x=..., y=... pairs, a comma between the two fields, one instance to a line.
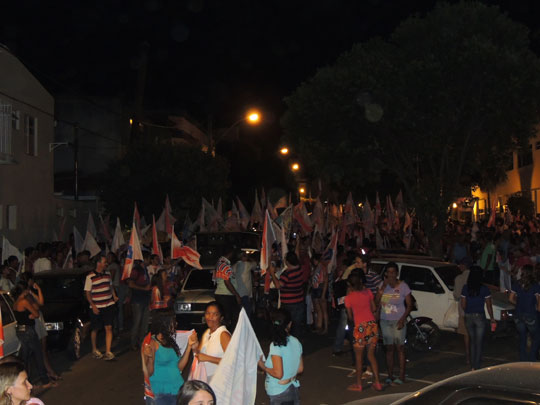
x=133, y=252
x=156, y=249
x=268, y=238
x=137, y=218
x=187, y=254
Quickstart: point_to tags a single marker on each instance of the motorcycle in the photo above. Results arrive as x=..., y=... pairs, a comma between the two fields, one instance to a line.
x=422, y=333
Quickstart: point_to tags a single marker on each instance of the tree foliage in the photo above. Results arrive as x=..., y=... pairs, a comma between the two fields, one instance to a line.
x=521, y=204
x=149, y=171
x=441, y=104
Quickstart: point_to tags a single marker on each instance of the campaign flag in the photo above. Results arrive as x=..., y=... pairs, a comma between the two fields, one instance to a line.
x=271, y=210
x=9, y=250
x=408, y=222
x=235, y=379
x=105, y=227
x=68, y=263
x=492, y=215
x=268, y=238
x=186, y=231
x=156, y=249
x=400, y=205
x=301, y=215
x=256, y=213
x=200, y=222
x=166, y=219
x=118, y=238
x=133, y=252
x=184, y=252
x=390, y=213
x=350, y=216
x=243, y=214
x=330, y=253
x=232, y=222
x=212, y=219
x=91, y=225
x=378, y=239
x=377, y=208
x=318, y=214
x=136, y=217
x=367, y=218
x=78, y=240
x=263, y=198
x=91, y=245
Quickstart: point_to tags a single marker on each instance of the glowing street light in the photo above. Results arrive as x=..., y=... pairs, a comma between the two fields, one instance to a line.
x=295, y=167
x=253, y=117
x=454, y=205
x=284, y=150
x=302, y=190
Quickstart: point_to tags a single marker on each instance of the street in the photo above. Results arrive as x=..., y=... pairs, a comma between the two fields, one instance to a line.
x=325, y=379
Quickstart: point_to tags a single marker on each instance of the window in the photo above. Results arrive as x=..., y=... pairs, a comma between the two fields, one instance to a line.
x=31, y=135
x=420, y=279
x=5, y=129
x=525, y=157
x=15, y=120
x=11, y=217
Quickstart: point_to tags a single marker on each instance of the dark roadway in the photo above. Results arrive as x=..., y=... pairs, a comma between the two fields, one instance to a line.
x=325, y=379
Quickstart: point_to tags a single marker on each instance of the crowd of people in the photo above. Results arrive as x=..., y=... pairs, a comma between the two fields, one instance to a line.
x=302, y=289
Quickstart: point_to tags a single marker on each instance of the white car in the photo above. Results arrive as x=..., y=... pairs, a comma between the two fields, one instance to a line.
x=432, y=285
x=11, y=344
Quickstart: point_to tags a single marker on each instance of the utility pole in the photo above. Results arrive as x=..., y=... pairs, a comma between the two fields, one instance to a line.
x=76, y=161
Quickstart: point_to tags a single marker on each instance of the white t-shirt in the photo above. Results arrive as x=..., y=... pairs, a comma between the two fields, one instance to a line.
x=42, y=264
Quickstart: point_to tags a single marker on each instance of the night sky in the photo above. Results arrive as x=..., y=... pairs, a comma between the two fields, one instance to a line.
x=205, y=57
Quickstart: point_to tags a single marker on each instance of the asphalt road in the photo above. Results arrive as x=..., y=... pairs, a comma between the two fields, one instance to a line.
x=325, y=380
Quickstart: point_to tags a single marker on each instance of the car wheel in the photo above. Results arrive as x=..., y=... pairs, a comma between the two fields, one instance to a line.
x=74, y=346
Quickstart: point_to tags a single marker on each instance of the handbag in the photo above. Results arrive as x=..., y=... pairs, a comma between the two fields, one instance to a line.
x=451, y=317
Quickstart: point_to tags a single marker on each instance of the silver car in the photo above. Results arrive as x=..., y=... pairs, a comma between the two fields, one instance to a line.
x=197, y=291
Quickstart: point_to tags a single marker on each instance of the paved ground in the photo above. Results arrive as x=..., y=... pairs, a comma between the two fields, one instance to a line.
x=89, y=381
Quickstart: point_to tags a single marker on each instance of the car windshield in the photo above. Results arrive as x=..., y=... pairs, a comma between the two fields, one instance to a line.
x=448, y=274
x=212, y=245
x=61, y=288
x=199, y=280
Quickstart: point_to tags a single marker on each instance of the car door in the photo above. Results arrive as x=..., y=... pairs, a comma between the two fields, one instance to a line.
x=11, y=343
x=430, y=296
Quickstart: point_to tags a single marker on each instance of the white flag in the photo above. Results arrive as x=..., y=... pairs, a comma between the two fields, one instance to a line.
x=235, y=379
x=91, y=245
x=118, y=238
x=78, y=241
x=9, y=250
x=91, y=225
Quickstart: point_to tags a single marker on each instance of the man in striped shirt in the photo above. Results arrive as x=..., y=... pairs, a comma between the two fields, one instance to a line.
x=291, y=290
x=101, y=297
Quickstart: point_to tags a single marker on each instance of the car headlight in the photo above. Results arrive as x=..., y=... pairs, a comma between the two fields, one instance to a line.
x=183, y=307
x=54, y=326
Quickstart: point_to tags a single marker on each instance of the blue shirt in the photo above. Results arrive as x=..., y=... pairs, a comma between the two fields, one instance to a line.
x=167, y=378
x=290, y=356
x=475, y=305
x=526, y=300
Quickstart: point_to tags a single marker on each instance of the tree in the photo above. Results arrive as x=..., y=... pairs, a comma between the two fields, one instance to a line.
x=441, y=104
x=149, y=171
x=521, y=204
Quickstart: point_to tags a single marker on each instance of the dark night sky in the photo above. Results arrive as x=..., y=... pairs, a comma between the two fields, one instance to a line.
x=206, y=56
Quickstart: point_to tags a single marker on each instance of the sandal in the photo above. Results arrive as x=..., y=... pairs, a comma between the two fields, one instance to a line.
x=377, y=386
x=397, y=381
x=354, y=387
x=351, y=374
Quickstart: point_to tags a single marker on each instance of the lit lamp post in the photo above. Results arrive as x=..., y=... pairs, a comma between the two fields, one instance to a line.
x=295, y=167
x=252, y=117
x=284, y=151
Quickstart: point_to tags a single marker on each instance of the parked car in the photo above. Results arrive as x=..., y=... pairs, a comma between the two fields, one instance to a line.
x=512, y=383
x=432, y=285
x=11, y=344
x=66, y=311
x=197, y=291
x=213, y=245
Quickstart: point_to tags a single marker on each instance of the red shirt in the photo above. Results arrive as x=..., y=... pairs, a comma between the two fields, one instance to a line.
x=360, y=303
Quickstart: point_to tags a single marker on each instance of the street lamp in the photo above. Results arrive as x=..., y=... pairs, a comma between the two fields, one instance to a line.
x=253, y=117
x=302, y=190
x=284, y=150
x=295, y=167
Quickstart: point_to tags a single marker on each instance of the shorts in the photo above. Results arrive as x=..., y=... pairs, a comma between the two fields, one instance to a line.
x=391, y=334
x=104, y=318
x=366, y=333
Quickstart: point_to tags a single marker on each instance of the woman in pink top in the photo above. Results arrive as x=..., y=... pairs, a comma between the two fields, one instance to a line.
x=360, y=307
